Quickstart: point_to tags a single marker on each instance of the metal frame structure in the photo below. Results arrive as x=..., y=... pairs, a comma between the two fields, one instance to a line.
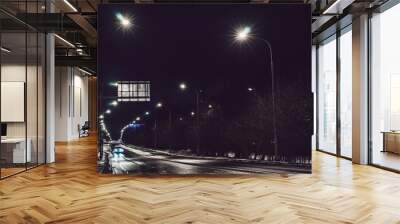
x=44, y=100
x=337, y=34
x=339, y=31
x=387, y=5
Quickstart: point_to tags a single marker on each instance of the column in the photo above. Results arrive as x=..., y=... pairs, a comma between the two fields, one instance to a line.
x=360, y=90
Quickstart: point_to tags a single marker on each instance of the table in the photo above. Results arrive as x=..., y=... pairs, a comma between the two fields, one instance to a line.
x=13, y=150
x=391, y=141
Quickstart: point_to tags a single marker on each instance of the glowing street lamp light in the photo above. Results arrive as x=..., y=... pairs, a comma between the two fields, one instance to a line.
x=210, y=106
x=114, y=103
x=101, y=116
x=250, y=89
x=159, y=105
x=124, y=21
x=108, y=111
x=147, y=113
x=138, y=118
x=192, y=113
x=182, y=86
x=242, y=35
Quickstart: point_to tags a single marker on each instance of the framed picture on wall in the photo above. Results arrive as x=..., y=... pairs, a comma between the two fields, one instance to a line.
x=204, y=89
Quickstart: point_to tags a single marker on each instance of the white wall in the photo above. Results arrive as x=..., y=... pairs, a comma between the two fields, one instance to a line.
x=61, y=103
x=14, y=73
x=33, y=127
x=71, y=103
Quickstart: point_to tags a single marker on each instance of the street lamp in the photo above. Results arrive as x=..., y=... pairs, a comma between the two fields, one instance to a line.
x=108, y=111
x=114, y=103
x=147, y=113
x=244, y=34
x=124, y=20
x=159, y=105
x=182, y=86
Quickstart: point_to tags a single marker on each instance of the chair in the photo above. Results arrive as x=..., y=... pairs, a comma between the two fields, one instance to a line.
x=84, y=130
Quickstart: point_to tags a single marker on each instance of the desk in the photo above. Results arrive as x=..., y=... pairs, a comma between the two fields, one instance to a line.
x=391, y=141
x=13, y=150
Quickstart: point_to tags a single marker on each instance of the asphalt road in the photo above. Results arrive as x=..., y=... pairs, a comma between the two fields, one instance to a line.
x=138, y=161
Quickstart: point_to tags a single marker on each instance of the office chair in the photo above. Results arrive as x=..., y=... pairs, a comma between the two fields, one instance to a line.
x=84, y=130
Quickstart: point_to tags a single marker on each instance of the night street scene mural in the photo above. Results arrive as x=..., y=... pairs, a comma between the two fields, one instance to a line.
x=194, y=89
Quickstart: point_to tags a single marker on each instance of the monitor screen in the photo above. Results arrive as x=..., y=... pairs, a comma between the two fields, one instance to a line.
x=3, y=129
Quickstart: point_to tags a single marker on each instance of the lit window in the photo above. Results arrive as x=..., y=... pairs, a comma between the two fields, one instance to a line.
x=133, y=91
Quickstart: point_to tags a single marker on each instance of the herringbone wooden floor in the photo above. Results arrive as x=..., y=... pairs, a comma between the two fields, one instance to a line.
x=70, y=191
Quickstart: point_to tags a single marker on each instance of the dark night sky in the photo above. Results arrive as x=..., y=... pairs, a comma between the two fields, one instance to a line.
x=194, y=43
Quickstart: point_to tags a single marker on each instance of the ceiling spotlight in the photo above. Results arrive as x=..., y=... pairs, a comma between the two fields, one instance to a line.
x=79, y=51
x=5, y=50
x=84, y=71
x=64, y=40
x=70, y=5
x=335, y=8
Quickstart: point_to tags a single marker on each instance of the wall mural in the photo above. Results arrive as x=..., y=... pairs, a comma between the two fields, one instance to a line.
x=204, y=89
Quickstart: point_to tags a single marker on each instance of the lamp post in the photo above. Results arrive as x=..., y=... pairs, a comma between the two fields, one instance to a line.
x=183, y=87
x=243, y=35
x=158, y=106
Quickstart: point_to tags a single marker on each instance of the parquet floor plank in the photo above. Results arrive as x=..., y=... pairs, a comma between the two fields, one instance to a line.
x=70, y=191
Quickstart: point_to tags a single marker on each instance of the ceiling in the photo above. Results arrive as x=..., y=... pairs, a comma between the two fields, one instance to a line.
x=75, y=21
